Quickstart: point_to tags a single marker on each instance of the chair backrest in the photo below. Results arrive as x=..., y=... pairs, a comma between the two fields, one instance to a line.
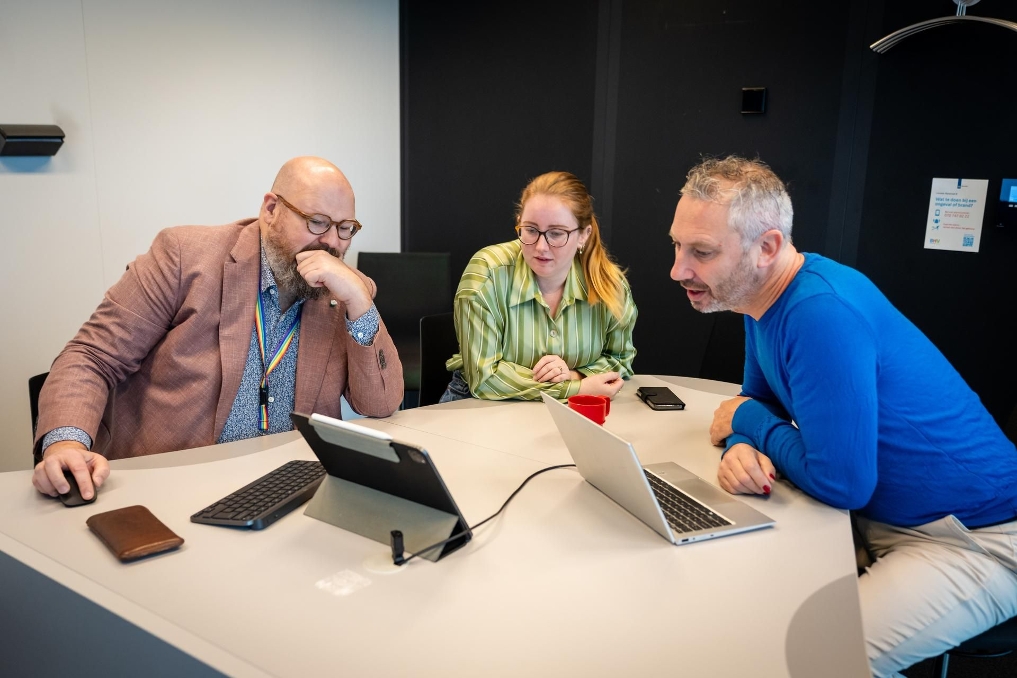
x=724, y=359
x=438, y=343
x=34, y=388
x=410, y=286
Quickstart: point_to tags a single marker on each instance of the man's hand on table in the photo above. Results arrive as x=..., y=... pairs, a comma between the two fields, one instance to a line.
x=89, y=469
x=721, y=428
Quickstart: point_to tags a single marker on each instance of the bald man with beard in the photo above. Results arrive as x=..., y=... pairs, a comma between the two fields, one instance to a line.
x=217, y=333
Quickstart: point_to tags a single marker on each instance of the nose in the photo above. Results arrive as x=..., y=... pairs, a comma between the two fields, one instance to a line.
x=679, y=271
x=542, y=245
x=331, y=238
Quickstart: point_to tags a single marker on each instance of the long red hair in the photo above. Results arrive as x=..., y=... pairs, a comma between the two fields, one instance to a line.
x=605, y=281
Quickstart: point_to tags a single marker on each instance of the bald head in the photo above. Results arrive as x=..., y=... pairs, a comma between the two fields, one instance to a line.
x=312, y=185
x=310, y=174
x=306, y=189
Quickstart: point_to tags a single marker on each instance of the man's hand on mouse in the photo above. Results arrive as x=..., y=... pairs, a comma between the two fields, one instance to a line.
x=89, y=469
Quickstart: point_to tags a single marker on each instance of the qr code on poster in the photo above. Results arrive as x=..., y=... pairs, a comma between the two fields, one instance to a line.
x=969, y=241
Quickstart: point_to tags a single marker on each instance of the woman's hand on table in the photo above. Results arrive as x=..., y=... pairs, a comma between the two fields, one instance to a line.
x=552, y=369
x=606, y=384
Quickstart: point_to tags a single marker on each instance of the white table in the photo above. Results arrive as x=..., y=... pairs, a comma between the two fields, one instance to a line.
x=564, y=583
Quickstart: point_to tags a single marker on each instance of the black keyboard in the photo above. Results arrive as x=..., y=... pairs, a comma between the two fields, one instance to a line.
x=267, y=499
x=683, y=513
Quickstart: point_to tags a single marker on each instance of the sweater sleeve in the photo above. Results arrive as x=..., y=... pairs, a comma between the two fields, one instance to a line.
x=754, y=386
x=754, y=383
x=829, y=354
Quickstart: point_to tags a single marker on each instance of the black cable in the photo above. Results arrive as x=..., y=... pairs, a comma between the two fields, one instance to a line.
x=397, y=557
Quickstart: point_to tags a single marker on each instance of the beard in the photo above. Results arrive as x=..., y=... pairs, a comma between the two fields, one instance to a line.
x=284, y=267
x=731, y=293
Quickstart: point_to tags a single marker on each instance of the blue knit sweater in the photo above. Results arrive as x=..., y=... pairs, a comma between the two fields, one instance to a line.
x=885, y=425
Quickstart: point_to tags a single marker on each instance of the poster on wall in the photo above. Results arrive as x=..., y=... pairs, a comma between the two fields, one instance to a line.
x=1008, y=203
x=956, y=208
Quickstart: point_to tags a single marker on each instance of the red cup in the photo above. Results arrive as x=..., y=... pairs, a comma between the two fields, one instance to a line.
x=593, y=407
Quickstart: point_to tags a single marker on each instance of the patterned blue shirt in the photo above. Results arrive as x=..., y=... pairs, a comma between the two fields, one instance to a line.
x=243, y=421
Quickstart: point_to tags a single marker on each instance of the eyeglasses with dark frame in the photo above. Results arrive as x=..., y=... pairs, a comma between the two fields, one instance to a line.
x=555, y=237
x=318, y=224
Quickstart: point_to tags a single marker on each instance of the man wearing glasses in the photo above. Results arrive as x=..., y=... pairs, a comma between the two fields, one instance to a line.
x=218, y=333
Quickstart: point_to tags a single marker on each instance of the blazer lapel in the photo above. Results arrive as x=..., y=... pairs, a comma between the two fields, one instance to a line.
x=318, y=326
x=236, y=318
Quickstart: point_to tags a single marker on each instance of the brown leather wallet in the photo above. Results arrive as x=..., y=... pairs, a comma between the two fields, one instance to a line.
x=133, y=532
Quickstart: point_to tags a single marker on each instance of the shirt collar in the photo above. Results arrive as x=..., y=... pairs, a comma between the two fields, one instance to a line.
x=524, y=283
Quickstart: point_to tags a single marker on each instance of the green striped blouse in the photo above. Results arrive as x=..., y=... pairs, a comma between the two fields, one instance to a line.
x=505, y=328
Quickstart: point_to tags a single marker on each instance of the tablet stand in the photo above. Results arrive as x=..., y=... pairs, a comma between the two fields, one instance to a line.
x=375, y=485
x=374, y=514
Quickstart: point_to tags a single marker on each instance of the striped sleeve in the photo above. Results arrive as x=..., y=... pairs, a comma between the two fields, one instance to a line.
x=619, y=351
x=485, y=368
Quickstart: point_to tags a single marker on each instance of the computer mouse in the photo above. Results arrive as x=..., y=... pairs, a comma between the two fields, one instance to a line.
x=73, y=496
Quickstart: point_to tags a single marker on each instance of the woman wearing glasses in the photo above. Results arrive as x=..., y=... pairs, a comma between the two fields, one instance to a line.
x=548, y=312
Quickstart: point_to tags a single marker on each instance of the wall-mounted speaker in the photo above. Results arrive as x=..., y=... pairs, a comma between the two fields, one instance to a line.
x=30, y=139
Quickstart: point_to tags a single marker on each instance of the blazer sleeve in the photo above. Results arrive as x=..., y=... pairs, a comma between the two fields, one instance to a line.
x=134, y=315
x=374, y=385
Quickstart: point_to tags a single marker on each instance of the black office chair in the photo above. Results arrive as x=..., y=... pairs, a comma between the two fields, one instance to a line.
x=438, y=343
x=724, y=359
x=410, y=286
x=1001, y=639
x=34, y=388
x=998, y=641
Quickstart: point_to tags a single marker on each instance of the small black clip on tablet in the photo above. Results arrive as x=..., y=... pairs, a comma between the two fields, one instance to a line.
x=397, y=547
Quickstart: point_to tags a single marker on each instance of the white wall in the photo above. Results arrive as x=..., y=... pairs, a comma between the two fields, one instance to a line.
x=175, y=112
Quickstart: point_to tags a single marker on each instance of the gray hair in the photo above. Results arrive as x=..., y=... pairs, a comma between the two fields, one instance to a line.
x=756, y=197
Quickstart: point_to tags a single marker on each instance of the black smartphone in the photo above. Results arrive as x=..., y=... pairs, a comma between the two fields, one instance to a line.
x=660, y=398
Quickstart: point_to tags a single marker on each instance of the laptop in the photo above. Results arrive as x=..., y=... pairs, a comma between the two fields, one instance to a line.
x=672, y=501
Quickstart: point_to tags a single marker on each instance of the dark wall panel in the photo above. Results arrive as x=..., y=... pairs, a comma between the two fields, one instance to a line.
x=682, y=69
x=944, y=108
x=630, y=94
x=494, y=94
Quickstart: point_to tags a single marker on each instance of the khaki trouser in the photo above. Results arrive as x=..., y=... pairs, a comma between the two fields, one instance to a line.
x=932, y=587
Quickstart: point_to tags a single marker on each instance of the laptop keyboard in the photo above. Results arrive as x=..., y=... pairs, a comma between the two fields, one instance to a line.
x=267, y=499
x=683, y=513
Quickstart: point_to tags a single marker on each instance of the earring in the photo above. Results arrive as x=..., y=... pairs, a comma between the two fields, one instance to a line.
x=580, y=249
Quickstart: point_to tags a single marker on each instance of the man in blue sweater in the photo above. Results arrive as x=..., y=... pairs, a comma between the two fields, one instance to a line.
x=845, y=397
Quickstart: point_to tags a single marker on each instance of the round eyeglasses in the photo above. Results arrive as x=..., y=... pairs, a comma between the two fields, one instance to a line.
x=318, y=224
x=555, y=237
